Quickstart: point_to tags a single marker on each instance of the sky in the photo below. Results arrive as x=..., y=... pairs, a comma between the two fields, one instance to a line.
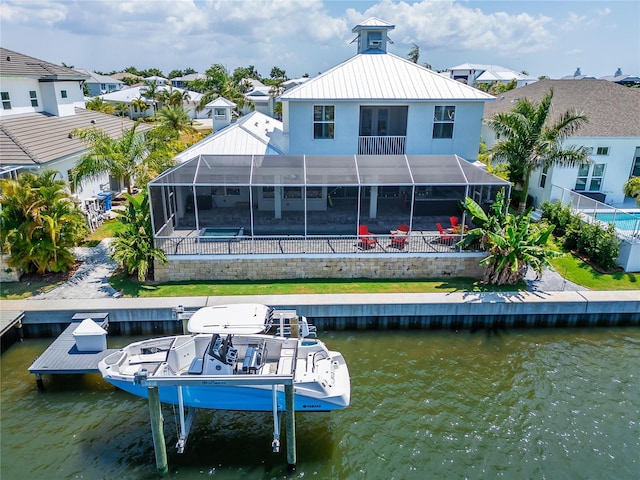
x=540, y=37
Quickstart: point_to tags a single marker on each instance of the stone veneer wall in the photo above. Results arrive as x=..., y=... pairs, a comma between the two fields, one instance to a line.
x=7, y=274
x=182, y=269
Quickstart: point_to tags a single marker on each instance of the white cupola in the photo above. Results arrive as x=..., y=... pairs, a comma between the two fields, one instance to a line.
x=372, y=35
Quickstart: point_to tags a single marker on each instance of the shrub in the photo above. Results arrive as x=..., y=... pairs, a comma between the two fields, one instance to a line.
x=559, y=215
x=599, y=244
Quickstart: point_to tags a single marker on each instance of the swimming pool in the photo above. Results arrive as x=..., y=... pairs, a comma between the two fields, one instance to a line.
x=210, y=234
x=626, y=221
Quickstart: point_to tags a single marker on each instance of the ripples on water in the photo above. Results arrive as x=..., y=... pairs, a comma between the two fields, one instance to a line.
x=518, y=404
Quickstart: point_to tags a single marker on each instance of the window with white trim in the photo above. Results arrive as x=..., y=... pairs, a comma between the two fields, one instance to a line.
x=219, y=113
x=602, y=151
x=590, y=177
x=543, y=176
x=323, y=121
x=33, y=95
x=63, y=93
x=443, y=119
x=6, y=101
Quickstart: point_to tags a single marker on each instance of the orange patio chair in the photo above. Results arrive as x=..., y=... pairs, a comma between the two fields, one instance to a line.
x=366, y=240
x=400, y=236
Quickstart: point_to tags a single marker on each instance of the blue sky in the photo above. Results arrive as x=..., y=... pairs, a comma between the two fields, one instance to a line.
x=310, y=36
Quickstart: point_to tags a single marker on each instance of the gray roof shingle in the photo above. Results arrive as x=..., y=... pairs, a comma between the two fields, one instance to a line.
x=38, y=138
x=613, y=110
x=17, y=64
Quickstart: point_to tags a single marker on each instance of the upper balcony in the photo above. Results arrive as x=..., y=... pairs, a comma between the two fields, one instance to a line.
x=382, y=145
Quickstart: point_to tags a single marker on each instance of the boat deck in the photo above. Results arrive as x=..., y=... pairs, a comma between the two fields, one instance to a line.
x=63, y=356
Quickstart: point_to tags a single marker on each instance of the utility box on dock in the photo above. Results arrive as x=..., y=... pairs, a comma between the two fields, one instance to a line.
x=90, y=337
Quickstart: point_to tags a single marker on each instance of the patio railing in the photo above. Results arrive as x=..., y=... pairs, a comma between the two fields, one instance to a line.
x=387, y=145
x=418, y=242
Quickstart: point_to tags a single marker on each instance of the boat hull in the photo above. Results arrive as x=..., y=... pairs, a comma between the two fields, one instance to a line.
x=234, y=398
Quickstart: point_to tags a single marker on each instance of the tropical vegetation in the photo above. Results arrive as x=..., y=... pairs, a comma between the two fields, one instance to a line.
x=598, y=244
x=119, y=157
x=40, y=223
x=632, y=188
x=512, y=242
x=530, y=139
x=133, y=247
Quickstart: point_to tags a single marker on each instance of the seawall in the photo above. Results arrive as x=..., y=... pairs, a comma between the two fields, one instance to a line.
x=457, y=310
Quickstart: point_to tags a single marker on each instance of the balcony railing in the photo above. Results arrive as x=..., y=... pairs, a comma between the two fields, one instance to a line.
x=387, y=145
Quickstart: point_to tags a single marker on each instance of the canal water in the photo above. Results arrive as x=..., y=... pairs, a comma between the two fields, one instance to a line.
x=547, y=403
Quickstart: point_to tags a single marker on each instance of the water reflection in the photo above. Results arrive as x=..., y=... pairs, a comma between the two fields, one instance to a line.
x=517, y=404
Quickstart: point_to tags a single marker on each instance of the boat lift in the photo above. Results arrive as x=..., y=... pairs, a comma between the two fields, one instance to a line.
x=186, y=420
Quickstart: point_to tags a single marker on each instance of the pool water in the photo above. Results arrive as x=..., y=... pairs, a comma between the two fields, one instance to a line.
x=621, y=220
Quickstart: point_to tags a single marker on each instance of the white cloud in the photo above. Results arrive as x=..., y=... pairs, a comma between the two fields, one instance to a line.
x=451, y=25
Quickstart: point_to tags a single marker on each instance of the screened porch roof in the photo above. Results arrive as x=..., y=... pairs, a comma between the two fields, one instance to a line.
x=315, y=170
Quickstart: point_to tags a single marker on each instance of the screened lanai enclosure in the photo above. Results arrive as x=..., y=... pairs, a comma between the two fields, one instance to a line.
x=257, y=204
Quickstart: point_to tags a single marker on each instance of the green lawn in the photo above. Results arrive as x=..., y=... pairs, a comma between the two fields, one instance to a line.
x=130, y=288
x=107, y=230
x=576, y=271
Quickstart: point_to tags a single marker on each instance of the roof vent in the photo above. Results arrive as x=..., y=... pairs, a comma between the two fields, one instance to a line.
x=8, y=58
x=93, y=121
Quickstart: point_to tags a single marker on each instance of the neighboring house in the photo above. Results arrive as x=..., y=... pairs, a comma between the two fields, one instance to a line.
x=253, y=134
x=98, y=84
x=577, y=75
x=128, y=95
x=476, y=73
x=221, y=112
x=261, y=97
x=182, y=82
x=377, y=103
x=123, y=75
x=622, y=79
x=160, y=81
x=41, y=104
x=612, y=134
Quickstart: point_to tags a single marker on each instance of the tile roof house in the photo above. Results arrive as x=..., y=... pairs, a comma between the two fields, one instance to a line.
x=182, y=82
x=612, y=132
x=41, y=104
x=98, y=84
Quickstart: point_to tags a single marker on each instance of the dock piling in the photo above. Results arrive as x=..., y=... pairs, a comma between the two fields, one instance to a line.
x=291, y=428
x=157, y=430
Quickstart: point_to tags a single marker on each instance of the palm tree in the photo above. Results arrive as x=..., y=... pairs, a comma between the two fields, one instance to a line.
x=512, y=241
x=133, y=247
x=176, y=118
x=528, y=139
x=414, y=54
x=140, y=104
x=40, y=222
x=97, y=104
x=150, y=91
x=118, y=157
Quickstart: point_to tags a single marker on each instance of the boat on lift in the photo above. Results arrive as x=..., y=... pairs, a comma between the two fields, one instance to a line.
x=225, y=366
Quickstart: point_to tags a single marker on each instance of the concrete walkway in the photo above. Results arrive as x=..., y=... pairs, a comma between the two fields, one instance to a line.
x=91, y=281
x=92, y=278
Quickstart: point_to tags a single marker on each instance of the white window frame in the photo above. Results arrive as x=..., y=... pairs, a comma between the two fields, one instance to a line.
x=33, y=96
x=63, y=94
x=324, y=117
x=6, y=100
x=217, y=114
x=594, y=173
x=443, y=116
x=543, y=176
x=602, y=151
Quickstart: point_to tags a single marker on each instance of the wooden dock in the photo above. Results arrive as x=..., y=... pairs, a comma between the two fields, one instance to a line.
x=63, y=356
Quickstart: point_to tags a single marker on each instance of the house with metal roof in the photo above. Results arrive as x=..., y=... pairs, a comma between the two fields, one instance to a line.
x=476, y=73
x=377, y=103
x=612, y=133
x=98, y=84
x=41, y=104
x=375, y=143
x=183, y=81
